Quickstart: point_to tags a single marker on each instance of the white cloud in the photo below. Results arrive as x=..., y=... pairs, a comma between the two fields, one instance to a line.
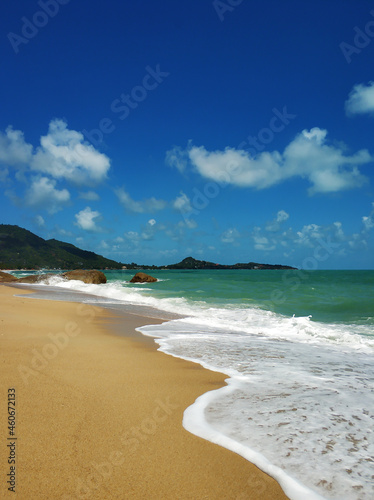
x=275, y=224
x=13, y=148
x=262, y=242
x=149, y=205
x=43, y=194
x=337, y=231
x=230, y=235
x=177, y=158
x=190, y=223
x=89, y=196
x=86, y=219
x=182, y=203
x=309, y=233
x=361, y=99
x=368, y=220
x=133, y=237
x=308, y=156
x=63, y=232
x=39, y=221
x=282, y=215
x=62, y=154
x=357, y=242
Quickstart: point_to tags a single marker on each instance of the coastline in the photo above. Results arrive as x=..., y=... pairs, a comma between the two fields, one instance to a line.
x=100, y=415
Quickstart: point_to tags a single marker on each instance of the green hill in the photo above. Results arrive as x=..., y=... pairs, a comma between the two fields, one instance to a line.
x=191, y=263
x=21, y=249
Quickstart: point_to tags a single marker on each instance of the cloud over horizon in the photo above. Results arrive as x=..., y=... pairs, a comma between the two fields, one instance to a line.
x=309, y=156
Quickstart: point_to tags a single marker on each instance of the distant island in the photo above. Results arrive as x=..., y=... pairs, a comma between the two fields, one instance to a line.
x=191, y=263
x=22, y=249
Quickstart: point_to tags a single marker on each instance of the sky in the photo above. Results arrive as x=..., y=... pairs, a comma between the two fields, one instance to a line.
x=229, y=131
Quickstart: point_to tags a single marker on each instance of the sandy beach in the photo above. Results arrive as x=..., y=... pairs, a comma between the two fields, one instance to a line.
x=99, y=415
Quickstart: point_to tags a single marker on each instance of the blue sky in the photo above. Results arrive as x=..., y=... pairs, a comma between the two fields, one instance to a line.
x=232, y=131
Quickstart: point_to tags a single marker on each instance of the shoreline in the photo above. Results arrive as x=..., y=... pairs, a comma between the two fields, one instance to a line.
x=101, y=416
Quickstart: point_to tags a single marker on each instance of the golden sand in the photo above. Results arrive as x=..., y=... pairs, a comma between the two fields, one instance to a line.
x=99, y=416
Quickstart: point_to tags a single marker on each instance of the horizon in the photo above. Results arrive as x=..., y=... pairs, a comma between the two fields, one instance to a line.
x=145, y=265
x=158, y=130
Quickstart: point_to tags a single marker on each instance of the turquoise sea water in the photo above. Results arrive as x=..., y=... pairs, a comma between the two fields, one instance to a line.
x=327, y=296
x=298, y=350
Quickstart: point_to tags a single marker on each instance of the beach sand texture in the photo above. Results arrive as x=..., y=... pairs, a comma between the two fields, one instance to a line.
x=99, y=415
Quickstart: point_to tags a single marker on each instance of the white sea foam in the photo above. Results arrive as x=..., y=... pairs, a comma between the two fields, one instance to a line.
x=250, y=320
x=307, y=408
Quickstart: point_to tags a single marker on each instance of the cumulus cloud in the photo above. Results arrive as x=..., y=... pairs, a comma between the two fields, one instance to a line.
x=309, y=156
x=360, y=100
x=230, y=235
x=262, y=242
x=177, y=158
x=368, y=220
x=182, y=203
x=42, y=193
x=62, y=154
x=189, y=223
x=146, y=206
x=39, y=221
x=275, y=224
x=132, y=236
x=309, y=234
x=13, y=148
x=89, y=196
x=85, y=219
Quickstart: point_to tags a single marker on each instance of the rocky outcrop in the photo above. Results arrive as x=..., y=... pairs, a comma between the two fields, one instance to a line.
x=7, y=277
x=34, y=278
x=142, y=278
x=89, y=277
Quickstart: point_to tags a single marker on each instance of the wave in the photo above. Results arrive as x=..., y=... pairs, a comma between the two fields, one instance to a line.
x=244, y=319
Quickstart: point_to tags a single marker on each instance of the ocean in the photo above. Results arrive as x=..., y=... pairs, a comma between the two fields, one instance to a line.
x=297, y=348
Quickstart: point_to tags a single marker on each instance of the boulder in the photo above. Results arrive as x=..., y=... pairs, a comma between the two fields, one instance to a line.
x=89, y=277
x=7, y=277
x=142, y=278
x=34, y=278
